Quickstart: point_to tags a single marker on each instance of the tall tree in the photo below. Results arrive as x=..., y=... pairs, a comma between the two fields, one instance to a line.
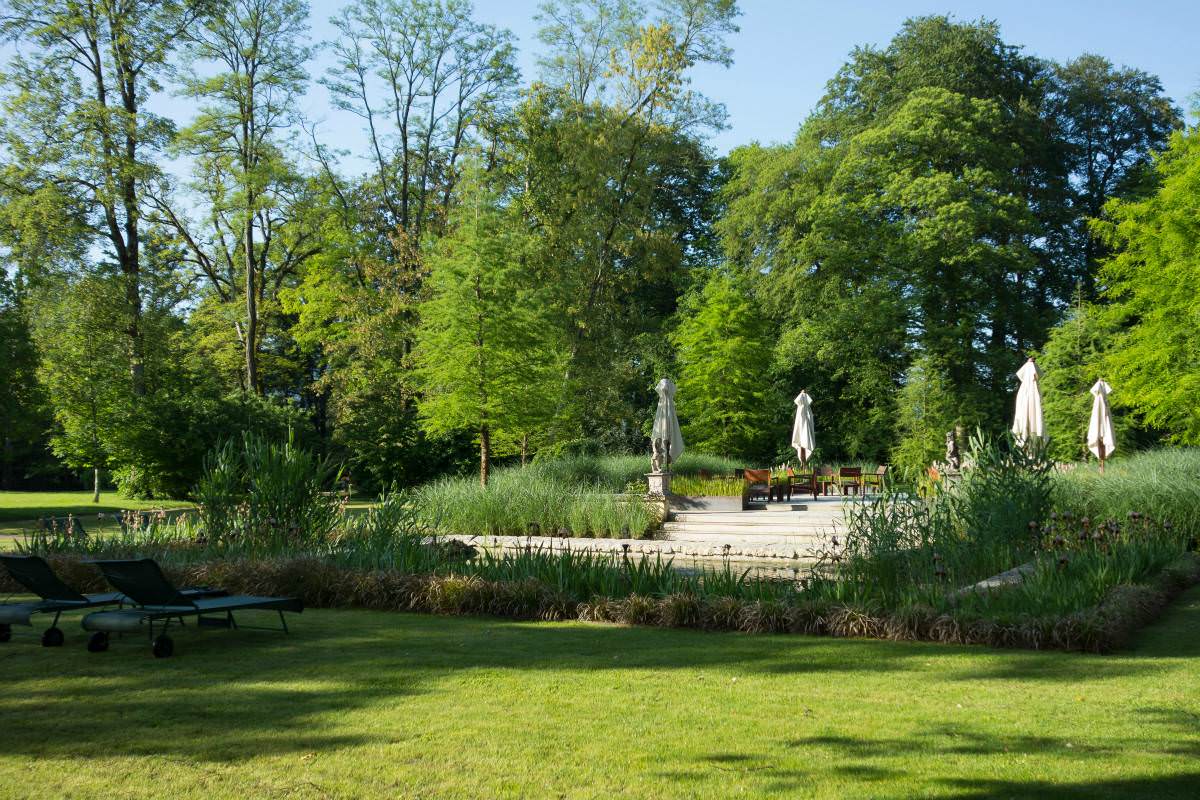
x=23, y=419
x=1111, y=119
x=76, y=122
x=484, y=348
x=926, y=409
x=426, y=79
x=1072, y=360
x=1151, y=280
x=77, y=336
x=925, y=207
x=617, y=185
x=724, y=395
x=256, y=233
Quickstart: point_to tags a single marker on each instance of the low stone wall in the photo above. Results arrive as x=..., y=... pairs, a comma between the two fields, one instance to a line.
x=666, y=548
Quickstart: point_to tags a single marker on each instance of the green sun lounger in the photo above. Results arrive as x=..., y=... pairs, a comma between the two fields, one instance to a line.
x=160, y=603
x=35, y=574
x=57, y=598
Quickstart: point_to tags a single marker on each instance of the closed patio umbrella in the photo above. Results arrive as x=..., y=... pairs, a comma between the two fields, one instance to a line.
x=803, y=438
x=1027, y=421
x=666, y=423
x=1101, y=438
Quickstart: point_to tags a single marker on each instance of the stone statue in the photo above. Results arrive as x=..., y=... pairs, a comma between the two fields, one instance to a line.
x=660, y=455
x=953, y=458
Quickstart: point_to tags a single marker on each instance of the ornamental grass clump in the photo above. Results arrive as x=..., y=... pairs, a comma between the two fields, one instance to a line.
x=263, y=496
x=515, y=499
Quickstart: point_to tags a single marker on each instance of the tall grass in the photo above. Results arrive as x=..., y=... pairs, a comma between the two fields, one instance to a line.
x=589, y=496
x=530, y=501
x=904, y=549
x=1162, y=484
x=616, y=473
x=270, y=495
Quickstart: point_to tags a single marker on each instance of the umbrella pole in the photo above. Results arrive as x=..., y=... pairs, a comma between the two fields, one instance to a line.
x=803, y=458
x=1101, y=454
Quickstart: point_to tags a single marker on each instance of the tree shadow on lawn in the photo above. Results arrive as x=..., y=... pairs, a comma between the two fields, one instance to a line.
x=1175, y=635
x=227, y=696
x=1151, y=787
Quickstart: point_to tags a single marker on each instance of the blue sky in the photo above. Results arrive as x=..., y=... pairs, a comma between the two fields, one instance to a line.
x=786, y=51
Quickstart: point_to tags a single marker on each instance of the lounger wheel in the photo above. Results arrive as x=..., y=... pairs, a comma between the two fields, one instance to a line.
x=163, y=646
x=98, y=642
x=5, y=632
x=53, y=637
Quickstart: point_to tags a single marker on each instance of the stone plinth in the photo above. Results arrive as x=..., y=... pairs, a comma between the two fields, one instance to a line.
x=659, y=483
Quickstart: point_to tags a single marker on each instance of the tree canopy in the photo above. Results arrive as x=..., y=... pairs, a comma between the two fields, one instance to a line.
x=507, y=264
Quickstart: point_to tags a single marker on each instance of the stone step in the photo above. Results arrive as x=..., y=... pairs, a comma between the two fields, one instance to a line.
x=750, y=527
x=751, y=519
x=762, y=517
x=739, y=524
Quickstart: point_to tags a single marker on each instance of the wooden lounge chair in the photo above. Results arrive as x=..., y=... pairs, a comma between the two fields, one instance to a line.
x=850, y=480
x=142, y=581
x=825, y=479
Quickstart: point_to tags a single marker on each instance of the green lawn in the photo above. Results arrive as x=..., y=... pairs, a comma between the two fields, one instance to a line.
x=18, y=507
x=20, y=511
x=367, y=704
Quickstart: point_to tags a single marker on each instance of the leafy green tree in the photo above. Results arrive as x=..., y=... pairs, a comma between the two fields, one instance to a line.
x=77, y=336
x=618, y=188
x=77, y=134
x=23, y=411
x=726, y=402
x=258, y=232
x=926, y=409
x=484, y=349
x=931, y=205
x=1154, y=363
x=429, y=82
x=1111, y=119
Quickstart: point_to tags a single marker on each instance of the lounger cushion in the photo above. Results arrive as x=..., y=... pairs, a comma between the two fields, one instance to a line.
x=18, y=613
x=131, y=619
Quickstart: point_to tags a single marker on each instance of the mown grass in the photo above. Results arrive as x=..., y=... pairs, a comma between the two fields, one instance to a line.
x=30, y=506
x=373, y=704
x=20, y=512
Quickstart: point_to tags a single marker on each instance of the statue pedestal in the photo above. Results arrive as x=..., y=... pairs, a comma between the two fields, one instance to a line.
x=659, y=483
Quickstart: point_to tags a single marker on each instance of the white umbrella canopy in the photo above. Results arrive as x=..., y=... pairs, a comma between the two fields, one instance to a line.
x=1027, y=421
x=804, y=439
x=666, y=423
x=1101, y=438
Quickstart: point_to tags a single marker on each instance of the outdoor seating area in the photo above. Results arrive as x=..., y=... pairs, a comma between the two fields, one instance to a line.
x=781, y=483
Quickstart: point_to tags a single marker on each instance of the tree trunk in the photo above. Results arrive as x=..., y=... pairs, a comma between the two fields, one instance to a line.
x=485, y=454
x=251, y=311
x=524, y=449
x=95, y=484
x=6, y=476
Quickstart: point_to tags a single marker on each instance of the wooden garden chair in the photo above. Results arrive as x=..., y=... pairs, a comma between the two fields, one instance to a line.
x=759, y=481
x=850, y=479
